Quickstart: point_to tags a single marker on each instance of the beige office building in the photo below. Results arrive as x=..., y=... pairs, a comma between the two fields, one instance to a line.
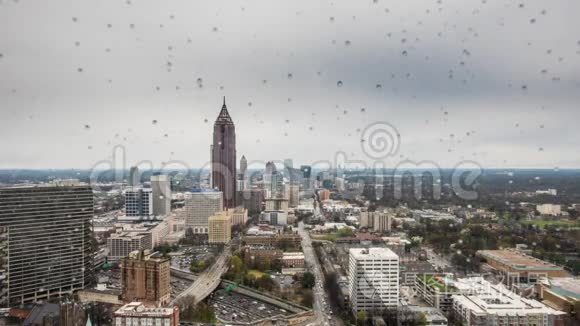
x=293, y=195
x=199, y=206
x=239, y=215
x=220, y=228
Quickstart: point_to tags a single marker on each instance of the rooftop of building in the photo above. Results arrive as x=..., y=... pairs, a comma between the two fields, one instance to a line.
x=129, y=235
x=293, y=255
x=138, y=308
x=567, y=287
x=487, y=298
x=517, y=260
x=372, y=253
x=440, y=283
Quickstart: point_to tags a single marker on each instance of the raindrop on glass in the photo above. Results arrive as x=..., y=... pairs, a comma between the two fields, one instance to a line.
x=339, y=83
x=154, y=122
x=290, y=76
x=347, y=43
x=87, y=127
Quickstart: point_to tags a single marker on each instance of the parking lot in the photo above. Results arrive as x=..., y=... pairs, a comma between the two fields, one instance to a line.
x=183, y=258
x=236, y=307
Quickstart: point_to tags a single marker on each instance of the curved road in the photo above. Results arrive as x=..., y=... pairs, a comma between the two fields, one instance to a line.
x=208, y=280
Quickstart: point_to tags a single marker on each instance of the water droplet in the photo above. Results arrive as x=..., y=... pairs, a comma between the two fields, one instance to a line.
x=310, y=128
x=87, y=127
x=166, y=135
x=543, y=12
x=154, y=122
x=131, y=26
x=249, y=103
x=109, y=25
x=80, y=69
x=215, y=29
x=541, y=149
x=347, y=43
x=533, y=21
x=290, y=76
x=264, y=82
x=405, y=53
x=339, y=83
x=287, y=121
x=77, y=43
x=378, y=86
x=205, y=120
x=90, y=147
x=74, y=19
x=199, y=82
x=331, y=19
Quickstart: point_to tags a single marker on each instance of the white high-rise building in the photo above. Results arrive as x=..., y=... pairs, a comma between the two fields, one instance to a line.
x=138, y=203
x=161, y=187
x=373, y=279
x=199, y=206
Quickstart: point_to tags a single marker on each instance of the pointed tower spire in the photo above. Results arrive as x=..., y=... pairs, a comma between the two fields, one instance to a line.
x=224, y=116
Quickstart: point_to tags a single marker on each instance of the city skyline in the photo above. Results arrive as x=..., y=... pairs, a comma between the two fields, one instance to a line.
x=515, y=108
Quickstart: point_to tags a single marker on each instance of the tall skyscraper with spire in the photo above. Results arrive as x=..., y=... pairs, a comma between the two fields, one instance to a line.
x=223, y=157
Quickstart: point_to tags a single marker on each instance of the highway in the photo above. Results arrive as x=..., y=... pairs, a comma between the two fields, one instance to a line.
x=208, y=280
x=321, y=303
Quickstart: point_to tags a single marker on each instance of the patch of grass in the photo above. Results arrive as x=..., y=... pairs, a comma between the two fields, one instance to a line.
x=256, y=273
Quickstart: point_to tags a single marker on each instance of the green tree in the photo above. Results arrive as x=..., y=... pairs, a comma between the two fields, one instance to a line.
x=265, y=282
x=361, y=317
x=237, y=265
x=422, y=320
x=308, y=280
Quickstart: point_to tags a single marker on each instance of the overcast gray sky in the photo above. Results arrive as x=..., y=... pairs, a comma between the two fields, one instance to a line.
x=494, y=81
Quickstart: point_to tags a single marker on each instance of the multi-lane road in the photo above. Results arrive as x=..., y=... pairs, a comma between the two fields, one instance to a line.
x=208, y=280
x=321, y=305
